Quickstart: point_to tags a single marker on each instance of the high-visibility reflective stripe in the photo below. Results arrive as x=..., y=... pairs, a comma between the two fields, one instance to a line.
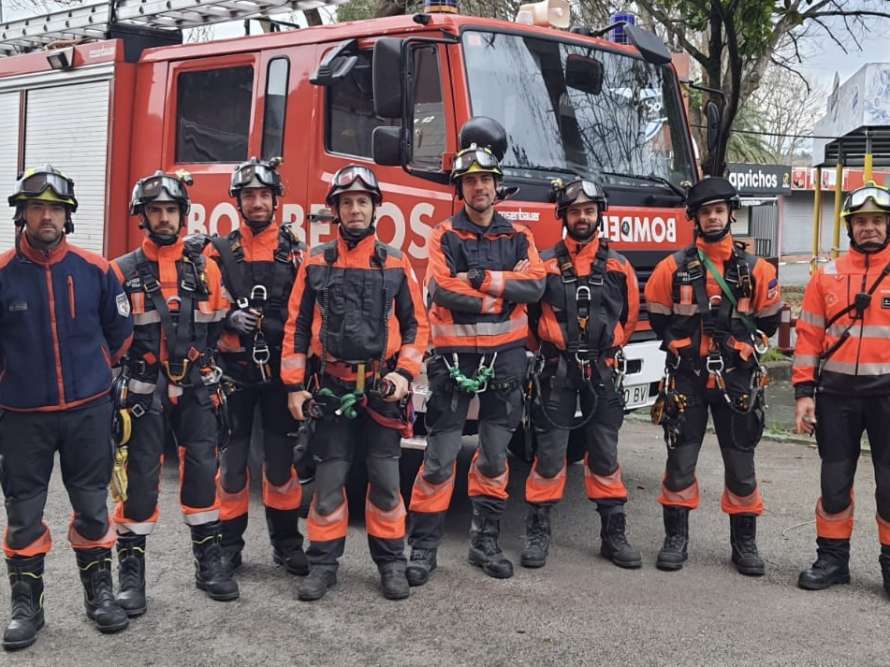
x=837, y=526
x=480, y=328
x=140, y=387
x=497, y=282
x=851, y=368
x=540, y=489
x=867, y=331
x=603, y=487
x=883, y=530
x=687, y=497
x=78, y=541
x=195, y=517
x=215, y=316
x=733, y=504
x=385, y=524
x=490, y=487
x=429, y=498
x=804, y=361
x=769, y=310
x=42, y=545
x=685, y=309
x=136, y=527
x=327, y=528
x=830, y=269
x=658, y=308
x=294, y=361
x=151, y=317
x=812, y=318
x=287, y=496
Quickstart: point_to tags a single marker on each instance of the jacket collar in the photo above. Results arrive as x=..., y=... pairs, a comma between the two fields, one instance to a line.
x=582, y=250
x=31, y=253
x=876, y=260
x=499, y=224
x=720, y=251
x=366, y=245
x=155, y=252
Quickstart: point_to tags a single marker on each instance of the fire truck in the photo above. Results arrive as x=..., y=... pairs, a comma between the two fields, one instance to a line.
x=107, y=93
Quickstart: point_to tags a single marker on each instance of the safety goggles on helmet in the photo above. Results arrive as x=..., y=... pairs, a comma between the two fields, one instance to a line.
x=255, y=174
x=859, y=198
x=573, y=191
x=346, y=177
x=481, y=157
x=40, y=183
x=160, y=187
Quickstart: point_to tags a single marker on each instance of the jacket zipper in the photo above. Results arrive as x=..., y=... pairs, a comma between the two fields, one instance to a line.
x=54, y=330
x=72, y=306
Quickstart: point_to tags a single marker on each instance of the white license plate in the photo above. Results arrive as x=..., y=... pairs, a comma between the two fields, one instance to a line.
x=635, y=396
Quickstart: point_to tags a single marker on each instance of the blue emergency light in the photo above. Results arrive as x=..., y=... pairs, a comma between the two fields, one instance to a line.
x=619, y=36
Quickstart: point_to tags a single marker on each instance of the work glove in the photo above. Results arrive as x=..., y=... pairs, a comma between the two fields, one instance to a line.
x=243, y=320
x=400, y=385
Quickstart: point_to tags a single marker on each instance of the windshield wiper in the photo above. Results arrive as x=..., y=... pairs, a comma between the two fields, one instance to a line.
x=539, y=167
x=649, y=177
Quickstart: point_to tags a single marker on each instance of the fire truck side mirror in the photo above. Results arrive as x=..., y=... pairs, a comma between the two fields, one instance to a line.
x=650, y=46
x=387, y=77
x=714, y=121
x=584, y=74
x=386, y=145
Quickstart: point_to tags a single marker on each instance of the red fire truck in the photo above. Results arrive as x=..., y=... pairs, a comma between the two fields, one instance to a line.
x=122, y=99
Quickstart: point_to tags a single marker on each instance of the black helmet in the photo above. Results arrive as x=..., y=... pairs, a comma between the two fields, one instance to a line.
x=161, y=187
x=710, y=191
x=256, y=173
x=486, y=132
x=578, y=191
x=353, y=178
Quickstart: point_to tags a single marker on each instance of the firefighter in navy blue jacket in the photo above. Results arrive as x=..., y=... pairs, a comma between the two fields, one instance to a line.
x=64, y=322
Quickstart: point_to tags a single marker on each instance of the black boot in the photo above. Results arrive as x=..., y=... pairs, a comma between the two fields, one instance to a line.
x=317, y=583
x=26, y=584
x=614, y=545
x=884, y=560
x=290, y=554
x=484, y=549
x=831, y=566
x=98, y=590
x=742, y=537
x=233, y=542
x=537, y=536
x=212, y=573
x=131, y=574
x=676, y=538
x=393, y=581
x=420, y=566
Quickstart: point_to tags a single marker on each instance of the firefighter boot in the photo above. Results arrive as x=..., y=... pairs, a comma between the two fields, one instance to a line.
x=484, y=549
x=676, y=538
x=98, y=590
x=131, y=574
x=537, y=536
x=831, y=566
x=233, y=542
x=884, y=560
x=420, y=566
x=614, y=545
x=742, y=537
x=317, y=582
x=212, y=572
x=287, y=543
x=393, y=581
x=26, y=582
x=291, y=556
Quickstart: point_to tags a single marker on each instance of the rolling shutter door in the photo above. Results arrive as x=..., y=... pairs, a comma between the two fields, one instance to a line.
x=67, y=126
x=9, y=158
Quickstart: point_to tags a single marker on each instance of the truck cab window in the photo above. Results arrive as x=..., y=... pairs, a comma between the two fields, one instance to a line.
x=213, y=114
x=276, y=105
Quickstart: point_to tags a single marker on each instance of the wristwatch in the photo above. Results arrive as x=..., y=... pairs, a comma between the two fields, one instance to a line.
x=476, y=276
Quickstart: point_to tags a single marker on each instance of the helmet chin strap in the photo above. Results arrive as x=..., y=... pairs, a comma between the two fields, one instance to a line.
x=713, y=237
x=258, y=225
x=160, y=239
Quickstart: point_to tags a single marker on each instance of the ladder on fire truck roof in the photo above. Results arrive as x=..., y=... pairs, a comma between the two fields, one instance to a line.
x=97, y=20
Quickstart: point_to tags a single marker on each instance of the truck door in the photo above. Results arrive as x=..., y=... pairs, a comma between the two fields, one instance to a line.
x=412, y=202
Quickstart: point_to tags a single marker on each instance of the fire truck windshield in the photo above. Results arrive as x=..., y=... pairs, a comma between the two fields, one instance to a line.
x=572, y=108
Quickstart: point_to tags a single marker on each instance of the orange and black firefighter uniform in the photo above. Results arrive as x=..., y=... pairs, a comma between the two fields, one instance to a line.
x=172, y=382
x=479, y=329
x=714, y=306
x=356, y=329
x=588, y=313
x=64, y=321
x=842, y=359
x=259, y=262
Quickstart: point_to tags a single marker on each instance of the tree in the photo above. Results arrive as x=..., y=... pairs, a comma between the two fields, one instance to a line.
x=734, y=41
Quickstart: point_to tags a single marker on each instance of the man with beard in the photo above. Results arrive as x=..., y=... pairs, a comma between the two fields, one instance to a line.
x=587, y=314
x=483, y=270
x=259, y=262
x=172, y=381
x=841, y=378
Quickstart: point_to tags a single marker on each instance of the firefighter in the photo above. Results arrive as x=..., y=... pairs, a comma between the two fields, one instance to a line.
x=841, y=378
x=482, y=271
x=587, y=314
x=172, y=379
x=259, y=262
x=65, y=321
x=713, y=306
x=356, y=307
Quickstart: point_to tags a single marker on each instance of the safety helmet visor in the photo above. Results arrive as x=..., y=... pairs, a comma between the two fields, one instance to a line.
x=256, y=175
x=483, y=159
x=155, y=187
x=857, y=199
x=42, y=185
x=578, y=191
x=346, y=179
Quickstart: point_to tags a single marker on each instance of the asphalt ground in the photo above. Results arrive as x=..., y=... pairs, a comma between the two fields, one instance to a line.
x=579, y=609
